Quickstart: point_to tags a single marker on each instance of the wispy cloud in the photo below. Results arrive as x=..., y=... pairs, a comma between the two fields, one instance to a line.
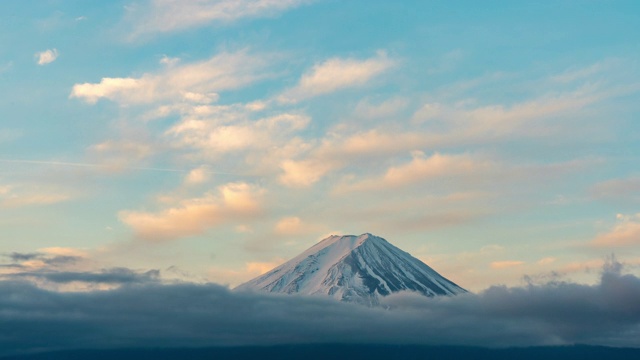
x=436, y=126
x=191, y=83
x=46, y=57
x=163, y=16
x=581, y=73
x=618, y=190
x=6, y=67
x=213, y=138
x=367, y=109
x=335, y=74
x=506, y=264
x=21, y=195
x=423, y=167
x=294, y=225
x=84, y=165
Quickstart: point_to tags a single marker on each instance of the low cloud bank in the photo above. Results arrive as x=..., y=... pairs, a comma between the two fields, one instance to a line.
x=184, y=315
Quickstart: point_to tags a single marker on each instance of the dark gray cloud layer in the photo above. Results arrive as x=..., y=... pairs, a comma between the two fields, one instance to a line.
x=52, y=270
x=152, y=314
x=106, y=276
x=46, y=259
x=15, y=256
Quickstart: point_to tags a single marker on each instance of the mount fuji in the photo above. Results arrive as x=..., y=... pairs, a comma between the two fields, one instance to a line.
x=359, y=269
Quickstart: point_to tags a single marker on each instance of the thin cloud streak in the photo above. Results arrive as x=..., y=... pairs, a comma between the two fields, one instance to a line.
x=163, y=16
x=89, y=165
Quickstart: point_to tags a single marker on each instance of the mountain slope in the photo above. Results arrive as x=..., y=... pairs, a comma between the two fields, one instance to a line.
x=353, y=268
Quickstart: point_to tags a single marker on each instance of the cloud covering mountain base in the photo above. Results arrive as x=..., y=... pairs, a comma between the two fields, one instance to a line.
x=352, y=352
x=190, y=315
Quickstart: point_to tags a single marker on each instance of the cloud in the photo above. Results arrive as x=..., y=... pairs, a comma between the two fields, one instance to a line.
x=14, y=196
x=260, y=268
x=430, y=221
x=437, y=126
x=161, y=16
x=70, y=270
x=292, y=225
x=191, y=83
x=212, y=139
x=367, y=110
x=118, y=155
x=108, y=88
x=6, y=67
x=460, y=124
x=47, y=259
x=149, y=314
x=195, y=216
x=587, y=72
x=64, y=251
x=506, y=264
x=622, y=190
x=113, y=276
x=169, y=61
x=546, y=260
x=422, y=168
x=18, y=257
x=336, y=74
x=46, y=57
x=626, y=232
x=197, y=176
x=335, y=152
x=34, y=199
x=241, y=275
x=303, y=173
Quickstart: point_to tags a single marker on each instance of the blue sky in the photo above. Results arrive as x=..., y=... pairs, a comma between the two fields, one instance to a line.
x=212, y=140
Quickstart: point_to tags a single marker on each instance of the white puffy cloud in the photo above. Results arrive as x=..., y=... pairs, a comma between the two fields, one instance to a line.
x=47, y=56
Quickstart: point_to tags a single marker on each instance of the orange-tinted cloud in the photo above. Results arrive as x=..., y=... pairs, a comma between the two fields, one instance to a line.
x=195, y=216
x=625, y=232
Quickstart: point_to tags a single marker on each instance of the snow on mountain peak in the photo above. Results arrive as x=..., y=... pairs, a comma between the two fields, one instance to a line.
x=353, y=268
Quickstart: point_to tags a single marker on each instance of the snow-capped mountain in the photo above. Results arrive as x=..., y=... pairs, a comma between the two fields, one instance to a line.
x=353, y=268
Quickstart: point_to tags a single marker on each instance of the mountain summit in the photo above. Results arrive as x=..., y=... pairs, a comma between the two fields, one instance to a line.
x=353, y=268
